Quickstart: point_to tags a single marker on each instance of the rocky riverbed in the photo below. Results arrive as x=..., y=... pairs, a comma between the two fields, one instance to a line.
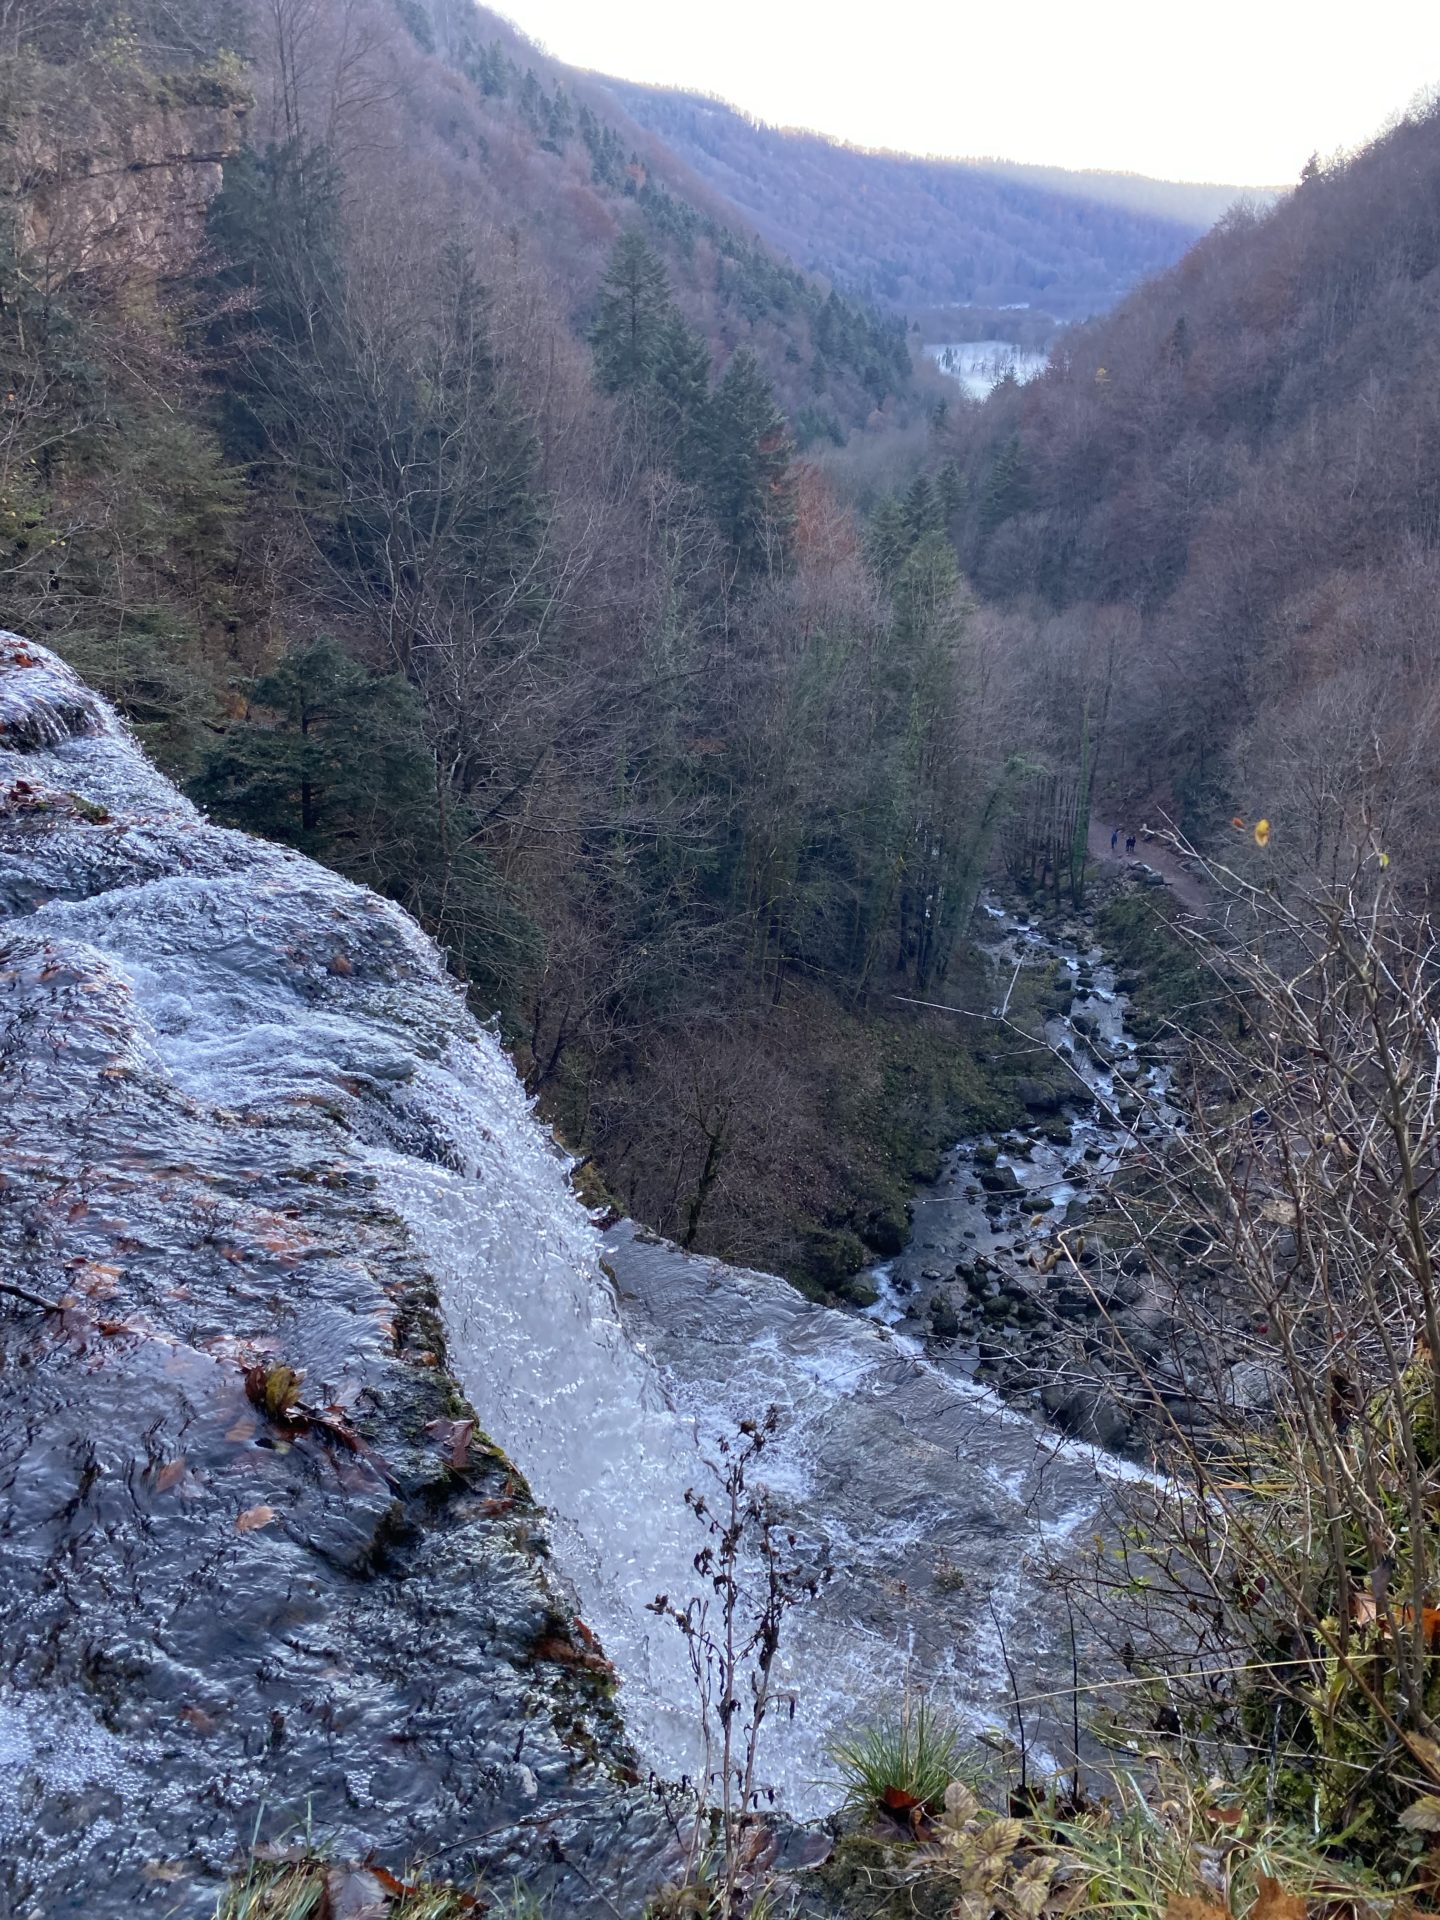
x=1022, y=1269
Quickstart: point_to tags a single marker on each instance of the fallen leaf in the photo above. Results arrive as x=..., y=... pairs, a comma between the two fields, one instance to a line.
x=454, y=1436
x=1186, y=1906
x=896, y=1800
x=197, y=1718
x=1225, y=1816
x=1272, y=1902
x=254, y=1517
x=274, y=1389
x=170, y=1474
x=1424, y=1816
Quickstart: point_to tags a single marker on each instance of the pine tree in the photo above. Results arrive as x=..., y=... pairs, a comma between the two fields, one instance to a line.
x=634, y=306
x=922, y=508
x=341, y=770
x=681, y=379
x=1007, y=490
x=888, y=538
x=951, y=486
x=747, y=464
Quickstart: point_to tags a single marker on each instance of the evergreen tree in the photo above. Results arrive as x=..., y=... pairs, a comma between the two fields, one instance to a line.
x=951, y=487
x=747, y=464
x=634, y=307
x=888, y=539
x=681, y=379
x=1007, y=490
x=922, y=508
x=336, y=764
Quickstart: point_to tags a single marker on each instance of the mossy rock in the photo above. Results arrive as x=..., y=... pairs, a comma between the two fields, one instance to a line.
x=831, y=1256
x=866, y=1876
x=886, y=1230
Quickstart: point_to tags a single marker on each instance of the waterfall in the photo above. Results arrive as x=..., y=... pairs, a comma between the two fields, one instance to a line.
x=299, y=1015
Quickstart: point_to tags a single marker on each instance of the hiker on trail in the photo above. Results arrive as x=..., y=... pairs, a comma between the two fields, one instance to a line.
x=1115, y=839
x=1129, y=843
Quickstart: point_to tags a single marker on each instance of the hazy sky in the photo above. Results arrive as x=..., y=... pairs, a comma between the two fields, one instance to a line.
x=1234, y=90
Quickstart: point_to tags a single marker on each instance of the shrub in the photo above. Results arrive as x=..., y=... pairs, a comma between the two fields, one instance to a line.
x=900, y=1763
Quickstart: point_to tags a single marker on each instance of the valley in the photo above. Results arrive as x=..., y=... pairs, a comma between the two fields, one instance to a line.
x=718, y=1063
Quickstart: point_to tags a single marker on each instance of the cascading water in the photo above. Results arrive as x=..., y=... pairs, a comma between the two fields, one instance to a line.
x=300, y=1026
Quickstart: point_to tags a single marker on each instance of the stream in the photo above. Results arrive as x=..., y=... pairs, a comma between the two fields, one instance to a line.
x=258, y=1123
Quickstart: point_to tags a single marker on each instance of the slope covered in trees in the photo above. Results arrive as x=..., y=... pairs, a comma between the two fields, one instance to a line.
x=541, y=148
x=1229, y=491
x=918, y=234
x=499, y=586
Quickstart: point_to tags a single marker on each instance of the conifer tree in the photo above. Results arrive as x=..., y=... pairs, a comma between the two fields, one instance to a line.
x=634, y=306
x=682, y=393
x=951, y=488
x=922, y=508
x=888, y=538
x=1007, y=490
x=747, y=463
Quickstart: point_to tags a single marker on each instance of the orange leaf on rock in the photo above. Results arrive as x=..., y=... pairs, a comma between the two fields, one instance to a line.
x=254, y=1517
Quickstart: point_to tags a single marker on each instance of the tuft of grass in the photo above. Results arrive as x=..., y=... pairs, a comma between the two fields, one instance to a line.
x=1143, y=1856
x=917, y=1754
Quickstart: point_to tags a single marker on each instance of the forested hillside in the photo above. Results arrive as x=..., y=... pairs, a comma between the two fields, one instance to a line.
x=478, y=562
x=1226, y=496
x=917, y=234
x=533, y=146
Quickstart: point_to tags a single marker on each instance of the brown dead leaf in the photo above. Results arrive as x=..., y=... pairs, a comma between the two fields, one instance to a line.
x=253, y=1518
x=171, y=1474
x=896, y=1800
x=245, y=1428
x=1425, y=1751
x=1424, y=1815
x=1187, y=1906
x=164, y=1872
x=453, y=1437
x=1273, y=1902
x=1225, y=1816
x=197, y=1718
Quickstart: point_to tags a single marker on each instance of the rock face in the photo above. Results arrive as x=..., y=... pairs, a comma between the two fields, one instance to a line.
x=118, y=180
x=220, y=1592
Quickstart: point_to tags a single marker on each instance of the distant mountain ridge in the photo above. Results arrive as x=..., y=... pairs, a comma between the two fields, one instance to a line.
x=915, y=234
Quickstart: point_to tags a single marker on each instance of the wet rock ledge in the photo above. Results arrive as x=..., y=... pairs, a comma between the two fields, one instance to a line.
x=257, y=1559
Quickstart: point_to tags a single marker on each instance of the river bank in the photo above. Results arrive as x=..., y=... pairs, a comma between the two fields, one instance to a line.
x=1024, y=1268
